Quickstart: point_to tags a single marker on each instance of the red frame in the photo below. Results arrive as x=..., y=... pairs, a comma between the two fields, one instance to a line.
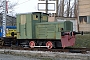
x=68, y=40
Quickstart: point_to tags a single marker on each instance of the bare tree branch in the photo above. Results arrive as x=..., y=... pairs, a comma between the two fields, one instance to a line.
x=67, y=8
x=10, y=5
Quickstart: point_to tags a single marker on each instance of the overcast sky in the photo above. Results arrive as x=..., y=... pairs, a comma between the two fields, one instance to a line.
x=25, y=6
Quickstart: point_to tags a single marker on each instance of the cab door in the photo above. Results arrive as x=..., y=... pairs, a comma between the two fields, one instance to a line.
x=23, y=26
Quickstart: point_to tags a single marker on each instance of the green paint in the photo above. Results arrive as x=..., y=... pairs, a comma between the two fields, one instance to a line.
x=26, y=30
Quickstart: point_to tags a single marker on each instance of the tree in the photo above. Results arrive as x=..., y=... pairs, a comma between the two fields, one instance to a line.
x=10, y=19
x=10, y=6
x=67, y=8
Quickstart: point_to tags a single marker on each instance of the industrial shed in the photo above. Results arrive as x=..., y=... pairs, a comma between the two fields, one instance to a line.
x=10, y=20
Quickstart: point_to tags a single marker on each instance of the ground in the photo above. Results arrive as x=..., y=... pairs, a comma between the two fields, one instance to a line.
x=82, y=41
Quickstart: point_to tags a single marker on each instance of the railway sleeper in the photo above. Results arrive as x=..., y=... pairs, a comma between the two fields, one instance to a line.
x=77, y=51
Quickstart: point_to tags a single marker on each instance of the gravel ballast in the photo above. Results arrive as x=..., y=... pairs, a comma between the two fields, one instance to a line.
x=40, y=55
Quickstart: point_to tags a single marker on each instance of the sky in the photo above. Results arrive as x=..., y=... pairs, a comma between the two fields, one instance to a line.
x=25, y=6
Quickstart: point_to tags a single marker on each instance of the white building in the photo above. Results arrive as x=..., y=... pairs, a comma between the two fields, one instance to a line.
x=51, y=6
x=75, y=25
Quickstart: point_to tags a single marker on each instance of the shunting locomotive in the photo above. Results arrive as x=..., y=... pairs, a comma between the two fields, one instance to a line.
x=34, y=30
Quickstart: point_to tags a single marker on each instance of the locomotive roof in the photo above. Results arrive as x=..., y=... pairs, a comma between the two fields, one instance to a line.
x=31, y=13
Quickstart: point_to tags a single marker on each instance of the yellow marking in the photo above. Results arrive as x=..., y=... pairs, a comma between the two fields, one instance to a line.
x=23, y=19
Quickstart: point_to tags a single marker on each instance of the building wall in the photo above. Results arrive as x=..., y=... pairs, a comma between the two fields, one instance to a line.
x=84, y=15
x=84, y=7
x=84, y=27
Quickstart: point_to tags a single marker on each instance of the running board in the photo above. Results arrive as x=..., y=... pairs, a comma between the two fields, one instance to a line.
x=39, y=46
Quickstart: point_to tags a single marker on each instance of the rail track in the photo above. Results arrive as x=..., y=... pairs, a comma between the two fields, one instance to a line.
x=71, y=50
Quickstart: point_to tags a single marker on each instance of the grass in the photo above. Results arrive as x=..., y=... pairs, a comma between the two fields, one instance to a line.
x=82, y=41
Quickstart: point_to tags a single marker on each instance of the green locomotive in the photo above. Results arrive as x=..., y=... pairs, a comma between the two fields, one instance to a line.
x=34, y=30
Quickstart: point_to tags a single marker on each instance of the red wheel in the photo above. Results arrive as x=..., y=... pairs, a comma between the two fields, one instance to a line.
x=49, y=44
x=32, y=44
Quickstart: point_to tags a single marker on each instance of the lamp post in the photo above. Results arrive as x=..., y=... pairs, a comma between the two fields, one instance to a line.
x=4, y=19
